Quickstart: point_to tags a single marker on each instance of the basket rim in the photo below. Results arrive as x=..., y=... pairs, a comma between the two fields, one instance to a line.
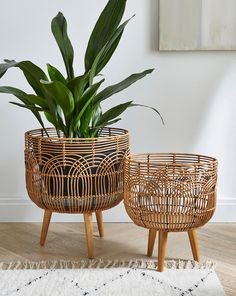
x=209, y=159
x=29, y=133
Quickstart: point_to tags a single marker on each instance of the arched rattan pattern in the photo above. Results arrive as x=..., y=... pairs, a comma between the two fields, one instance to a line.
x=75, y=175
x=170, y=192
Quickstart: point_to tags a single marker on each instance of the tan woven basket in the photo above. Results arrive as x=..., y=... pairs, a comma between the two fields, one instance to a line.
x=170, y=192
x=75, y=175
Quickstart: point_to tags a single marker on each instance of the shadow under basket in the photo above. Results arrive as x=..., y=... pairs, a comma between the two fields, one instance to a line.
x=75, y=175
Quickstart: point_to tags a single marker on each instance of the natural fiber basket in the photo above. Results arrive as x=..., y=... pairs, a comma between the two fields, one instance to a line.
x=170, y=192
x=75, y=175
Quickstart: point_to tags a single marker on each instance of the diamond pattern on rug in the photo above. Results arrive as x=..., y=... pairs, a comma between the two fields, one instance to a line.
x=112, y=281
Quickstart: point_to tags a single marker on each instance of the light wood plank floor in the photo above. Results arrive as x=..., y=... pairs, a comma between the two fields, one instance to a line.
x=20, y=241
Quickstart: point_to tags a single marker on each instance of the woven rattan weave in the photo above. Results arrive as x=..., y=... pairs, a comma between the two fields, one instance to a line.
x=170, y=192
x=75, y=175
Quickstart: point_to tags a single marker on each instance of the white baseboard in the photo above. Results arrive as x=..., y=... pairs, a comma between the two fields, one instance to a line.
x=225, y=210
x=19, y=209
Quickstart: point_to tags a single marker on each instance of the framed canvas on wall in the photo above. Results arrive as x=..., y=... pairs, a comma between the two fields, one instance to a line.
x=186, y=25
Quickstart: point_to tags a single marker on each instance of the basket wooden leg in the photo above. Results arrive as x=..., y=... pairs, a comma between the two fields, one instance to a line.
x=162, y=241
x=192, y=234
x=89, y=233
x=100, y=223
x=46, y=222
x=151, y=241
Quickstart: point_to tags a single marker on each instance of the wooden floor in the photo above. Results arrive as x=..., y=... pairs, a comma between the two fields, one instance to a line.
x=217, y=242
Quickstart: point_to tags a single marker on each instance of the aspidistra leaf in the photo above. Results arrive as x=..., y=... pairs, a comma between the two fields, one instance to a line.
x=107, y=23
x=93, y=71
x=36, y=100
x=55, y=74
x=59, y=30
x=5, y=66
x=106, y=52
x=61, y=96
x=111, y=46
x=95, y=131
x=97, y=113
x=22, y=96
x=90, y=92
x=31, y=107
x=84, y=102
x=50, y=118
x=32, y=73
x=12, y=91
x=113, y=89
x=113, y=113
x=77, y=86
x=152, y=108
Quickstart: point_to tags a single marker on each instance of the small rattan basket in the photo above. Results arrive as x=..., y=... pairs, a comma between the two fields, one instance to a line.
x=171, y=192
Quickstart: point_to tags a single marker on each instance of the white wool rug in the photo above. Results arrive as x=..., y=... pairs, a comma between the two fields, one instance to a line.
x=113, y=278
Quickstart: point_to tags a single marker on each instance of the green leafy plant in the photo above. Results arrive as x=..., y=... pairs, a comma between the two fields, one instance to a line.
x=72, y=104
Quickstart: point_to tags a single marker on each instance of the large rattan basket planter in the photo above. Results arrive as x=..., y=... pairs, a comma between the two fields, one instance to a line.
x=170, y=192
x=75, y=175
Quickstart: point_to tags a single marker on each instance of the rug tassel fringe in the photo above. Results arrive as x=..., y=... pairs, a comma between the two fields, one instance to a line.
x=103, y=263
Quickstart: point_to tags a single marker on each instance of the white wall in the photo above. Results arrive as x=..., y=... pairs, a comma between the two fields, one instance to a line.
x=195, y=92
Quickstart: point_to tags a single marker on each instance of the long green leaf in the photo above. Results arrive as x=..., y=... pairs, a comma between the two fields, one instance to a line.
x=61, y=125
x=87, y=114
x=50, y=118
x=25, y=98
x=61, y=95
x=154, y=109
x=21, y=95
x=95, y=131
x=109, y=123
x=5, y=66
x=36, y=100
x=90, y=92
x=77, y=86
x=111, y=90
x=107, y=23
x=59, y=30
x=111, y=46
x=113, y=113
x=97, y=113
x=76, y=120
x=53, y=110
x=30, y=107
x=12, y=91
x=32, y=73
x=55, y=74
x=106, y=52
x=83, y=104
x=93, y=70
